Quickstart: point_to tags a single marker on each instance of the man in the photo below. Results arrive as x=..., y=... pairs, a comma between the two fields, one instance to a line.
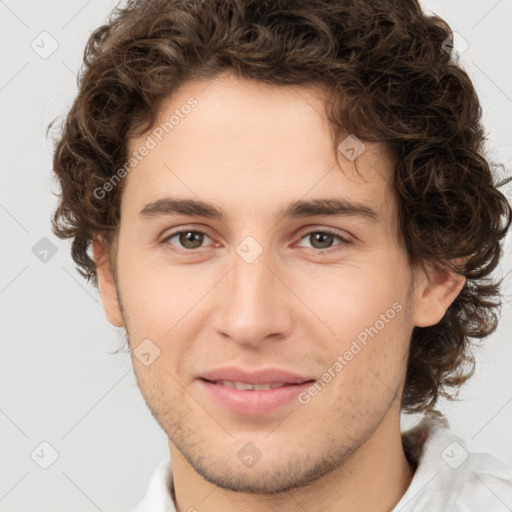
x=290, y=216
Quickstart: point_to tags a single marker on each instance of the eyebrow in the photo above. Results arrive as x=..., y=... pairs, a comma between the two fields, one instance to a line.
x=297, y=209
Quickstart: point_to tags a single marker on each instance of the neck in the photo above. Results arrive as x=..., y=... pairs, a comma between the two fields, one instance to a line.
x=374, y=477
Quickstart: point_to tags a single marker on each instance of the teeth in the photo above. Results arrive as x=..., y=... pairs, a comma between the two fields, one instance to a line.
x=244, y=386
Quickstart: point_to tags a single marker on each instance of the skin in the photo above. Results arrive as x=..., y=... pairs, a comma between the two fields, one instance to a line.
x=252, y=148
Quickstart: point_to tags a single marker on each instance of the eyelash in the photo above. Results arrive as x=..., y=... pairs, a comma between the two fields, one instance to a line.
x=343, y=241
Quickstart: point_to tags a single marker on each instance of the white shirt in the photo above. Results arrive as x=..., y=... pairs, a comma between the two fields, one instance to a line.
x=448, y=478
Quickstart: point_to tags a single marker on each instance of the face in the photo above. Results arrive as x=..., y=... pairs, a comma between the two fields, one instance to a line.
x=324, y=293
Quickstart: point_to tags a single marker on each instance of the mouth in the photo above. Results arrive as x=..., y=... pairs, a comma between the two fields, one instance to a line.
x=246, y=386
x=248, y=399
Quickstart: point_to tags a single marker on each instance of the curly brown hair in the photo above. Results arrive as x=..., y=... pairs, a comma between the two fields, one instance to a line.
x=391, y=79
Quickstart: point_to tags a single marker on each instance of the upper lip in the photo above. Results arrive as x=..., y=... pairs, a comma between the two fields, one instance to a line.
x=263, y=376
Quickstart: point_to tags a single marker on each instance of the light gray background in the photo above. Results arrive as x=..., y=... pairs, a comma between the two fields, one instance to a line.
x=59, y=382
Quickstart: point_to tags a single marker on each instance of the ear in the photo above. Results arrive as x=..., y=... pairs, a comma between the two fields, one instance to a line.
x=107, y=284
x=434, y=293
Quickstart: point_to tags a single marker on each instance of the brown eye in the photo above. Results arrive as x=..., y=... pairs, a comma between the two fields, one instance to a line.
x=187, y=239
x=323, y=240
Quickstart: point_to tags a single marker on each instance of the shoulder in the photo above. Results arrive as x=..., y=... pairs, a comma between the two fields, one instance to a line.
x=486, y=484
x=449, y=476
x=158, y=496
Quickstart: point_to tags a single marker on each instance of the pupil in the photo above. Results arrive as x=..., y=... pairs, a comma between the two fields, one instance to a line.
x=322, y=235
x=188, y=237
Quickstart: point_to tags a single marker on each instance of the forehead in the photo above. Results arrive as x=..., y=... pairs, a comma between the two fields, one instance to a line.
x=251, y=144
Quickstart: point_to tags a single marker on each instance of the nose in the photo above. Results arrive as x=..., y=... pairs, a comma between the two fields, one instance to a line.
x=253, y=303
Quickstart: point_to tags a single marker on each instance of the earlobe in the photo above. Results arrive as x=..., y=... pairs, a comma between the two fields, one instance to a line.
x=434, y=294
x=107, y=284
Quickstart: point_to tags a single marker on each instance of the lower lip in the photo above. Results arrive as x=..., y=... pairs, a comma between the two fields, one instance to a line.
x=253, y=402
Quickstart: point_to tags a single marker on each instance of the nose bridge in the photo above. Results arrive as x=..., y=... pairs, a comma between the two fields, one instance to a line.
x=252, y=303
x=251, y=282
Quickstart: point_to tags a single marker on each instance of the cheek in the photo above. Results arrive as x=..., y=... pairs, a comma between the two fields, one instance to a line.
x=162, y=303
x=368, y=318
x=352, y=299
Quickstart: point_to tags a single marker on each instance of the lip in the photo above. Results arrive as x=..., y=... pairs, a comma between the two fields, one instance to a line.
x=263, y=376
x=253, y=402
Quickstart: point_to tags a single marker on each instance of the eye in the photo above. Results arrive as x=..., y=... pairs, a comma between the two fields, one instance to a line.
x=322, y=239
x=188, y=238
